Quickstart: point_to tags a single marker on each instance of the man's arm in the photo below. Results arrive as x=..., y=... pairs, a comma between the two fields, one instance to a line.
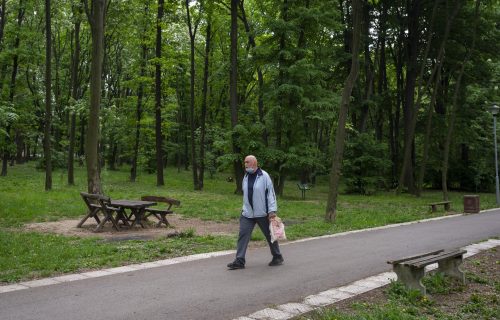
x=271, y=198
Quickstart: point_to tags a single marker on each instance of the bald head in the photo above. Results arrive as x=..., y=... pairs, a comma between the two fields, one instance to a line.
x=250, y=162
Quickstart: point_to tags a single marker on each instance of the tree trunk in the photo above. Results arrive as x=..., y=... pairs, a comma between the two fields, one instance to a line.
x=96, y=20
x=57, y=92
x=427, y=138
x=413, y=121
x=204, y=105
x=455, y=106
x=386, y=107
x=192, y=36
x=369, y=72
x=140, y=93
x=2, y=20
x=331, y=208
x=260, y=77
x=233, y=95
x=48, y=99
x=19, y=147
x=406, y=177
x=74, y=95
x=12, y=88
x=159, y=137
x=395, y=119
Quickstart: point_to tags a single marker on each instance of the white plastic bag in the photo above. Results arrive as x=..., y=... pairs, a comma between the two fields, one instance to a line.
x=277, y=229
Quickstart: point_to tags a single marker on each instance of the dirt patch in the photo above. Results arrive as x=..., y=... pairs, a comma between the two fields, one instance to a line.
x=178, y=224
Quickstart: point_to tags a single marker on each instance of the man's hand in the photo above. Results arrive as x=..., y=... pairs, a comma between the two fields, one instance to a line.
x=271, y=215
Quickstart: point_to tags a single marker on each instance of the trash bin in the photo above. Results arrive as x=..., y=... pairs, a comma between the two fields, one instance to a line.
x=471, y=204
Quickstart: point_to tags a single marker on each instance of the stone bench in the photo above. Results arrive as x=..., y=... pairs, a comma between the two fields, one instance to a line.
x=446, y=205
x=411, y=270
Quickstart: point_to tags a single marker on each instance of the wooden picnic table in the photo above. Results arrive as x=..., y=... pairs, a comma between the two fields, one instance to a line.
x=136, y=207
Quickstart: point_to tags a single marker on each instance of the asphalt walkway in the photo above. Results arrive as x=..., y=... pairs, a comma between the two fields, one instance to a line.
x=205, y=289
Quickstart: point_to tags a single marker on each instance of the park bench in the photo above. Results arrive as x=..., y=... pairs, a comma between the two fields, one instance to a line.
x=303, y=187
x=98, y=203
x=160, y=214
x=411, y=270
x=446, y=205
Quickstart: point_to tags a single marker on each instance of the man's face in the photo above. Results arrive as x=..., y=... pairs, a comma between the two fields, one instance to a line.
x=250, y=162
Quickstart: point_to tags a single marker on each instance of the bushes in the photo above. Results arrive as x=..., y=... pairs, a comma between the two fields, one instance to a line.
x=365, y=165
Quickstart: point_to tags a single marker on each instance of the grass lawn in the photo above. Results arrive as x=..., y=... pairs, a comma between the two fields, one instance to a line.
x=31, y=255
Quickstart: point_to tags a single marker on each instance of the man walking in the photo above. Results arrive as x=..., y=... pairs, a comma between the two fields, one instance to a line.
x=259, y=206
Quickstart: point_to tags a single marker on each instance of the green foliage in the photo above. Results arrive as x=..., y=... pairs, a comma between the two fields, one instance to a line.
x=482, y=307
x=398, y=292
x=475, y=278
x=58, y=158
x=365, y=165
x=438, y=283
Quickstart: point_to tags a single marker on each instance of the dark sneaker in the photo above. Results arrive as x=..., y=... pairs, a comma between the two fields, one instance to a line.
x=278, y=260
x=235, y=265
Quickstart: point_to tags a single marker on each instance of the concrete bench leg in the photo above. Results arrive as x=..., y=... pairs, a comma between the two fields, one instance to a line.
x=410, y=277
x=451, y=267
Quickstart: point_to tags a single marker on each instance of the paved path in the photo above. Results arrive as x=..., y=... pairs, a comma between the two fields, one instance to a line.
x=204, y=289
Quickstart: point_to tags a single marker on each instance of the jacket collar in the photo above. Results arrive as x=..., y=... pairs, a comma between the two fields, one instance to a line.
x=258, y=171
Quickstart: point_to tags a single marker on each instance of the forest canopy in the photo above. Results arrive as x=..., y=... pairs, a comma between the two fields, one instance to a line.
x=200, y=84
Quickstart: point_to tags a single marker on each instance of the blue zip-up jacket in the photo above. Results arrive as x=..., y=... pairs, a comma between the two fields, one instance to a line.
x=264, y=198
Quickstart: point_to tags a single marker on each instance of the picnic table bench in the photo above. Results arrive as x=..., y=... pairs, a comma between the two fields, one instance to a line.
x=114, y=211
x=446, y=205
x=411, y=270
x=160, y=214
x=303, y=187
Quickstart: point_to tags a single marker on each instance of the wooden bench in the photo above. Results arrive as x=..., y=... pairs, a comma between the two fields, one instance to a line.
x=160, y=214
x=303, y=187
x=446, y=205
x=98, y=203
x=411, y=270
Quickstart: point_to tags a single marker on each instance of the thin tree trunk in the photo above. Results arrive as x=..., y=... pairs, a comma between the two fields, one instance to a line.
x=331, y=208
x=159, y=136
x=455, y=106
x=48, y=99
x=12, y=88
x=427, y=138
x=192, y=36
x=260, y=76
x=233, y=95
x=96, y=20
x=386, y=106
x=398, y=61
x=74, y=95
x=2, y=20
x=204, y=105
x=140, y=93
x=57, y=91
x=413, y=121
x=19, y=147
x=369, y=73
x=406, y=177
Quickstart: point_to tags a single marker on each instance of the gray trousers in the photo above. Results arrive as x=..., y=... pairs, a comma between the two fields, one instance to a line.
x=246, y=228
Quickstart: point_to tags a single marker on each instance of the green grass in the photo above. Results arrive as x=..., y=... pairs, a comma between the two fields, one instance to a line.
x=23, y=200
x=34, y=255
x=404, y=304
